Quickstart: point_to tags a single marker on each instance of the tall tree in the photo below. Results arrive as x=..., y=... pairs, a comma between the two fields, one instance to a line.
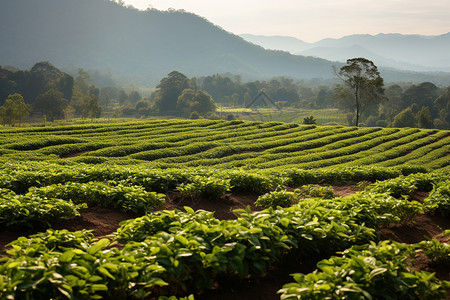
x=51, y=104
x=362, y=86
x=424, y=119
x=15, y=110
x=405, y=118
x=168, y=90
x=199, y=101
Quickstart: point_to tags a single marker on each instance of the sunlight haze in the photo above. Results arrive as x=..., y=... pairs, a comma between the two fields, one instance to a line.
x=312, y=20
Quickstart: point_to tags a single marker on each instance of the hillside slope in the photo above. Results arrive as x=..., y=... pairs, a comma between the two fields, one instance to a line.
x=406, y=52
x=99, y=34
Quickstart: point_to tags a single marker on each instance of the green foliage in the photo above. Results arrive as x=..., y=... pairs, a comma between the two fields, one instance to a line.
x=314, y=190
x=195, y=101
x=405, y=118
x=168, y=91
x=208, y=247
x=210, y=188
x=20, y=211
x=309, y=120
x=62, y=264
x=362, y=84
x=51, y=104
x=439, y=200
x=372, y=209
x=277, y=147
x=111, y=195
x=438, y=252
x=15, y=110
x=397, y=187
x=274, y=199
x=247, y=181
x=374, y=271
x=170, y=252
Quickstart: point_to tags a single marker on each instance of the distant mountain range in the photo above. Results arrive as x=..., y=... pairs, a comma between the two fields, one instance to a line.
x=406, y=52
x=142, y=47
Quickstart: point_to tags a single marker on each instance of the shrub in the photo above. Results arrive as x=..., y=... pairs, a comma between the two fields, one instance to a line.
x=374, y=271
x=274, y=199
x=210, y=188
x=314, y=190
x=439, y=200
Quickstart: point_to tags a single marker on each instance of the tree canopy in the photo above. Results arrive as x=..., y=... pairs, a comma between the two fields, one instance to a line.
x=15, y=110
x=362, y=86
x=168, y=90
x=199, y=101
x=51, y=104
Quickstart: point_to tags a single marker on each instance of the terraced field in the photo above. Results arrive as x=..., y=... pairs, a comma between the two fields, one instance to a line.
x=184, y=209
x=225, y=145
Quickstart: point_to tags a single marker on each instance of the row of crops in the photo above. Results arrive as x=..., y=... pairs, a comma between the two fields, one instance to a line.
x=169, y=254
x=226, y=144
x=51, y=174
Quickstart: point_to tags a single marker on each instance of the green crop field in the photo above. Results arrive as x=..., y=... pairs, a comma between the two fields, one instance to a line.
x=51, y=174
x=227, y=144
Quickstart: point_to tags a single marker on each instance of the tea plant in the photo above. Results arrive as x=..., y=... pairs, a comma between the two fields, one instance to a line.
x=19, y=211
x=374, y=271
x=438, y=252
x=372, y=209
x=314, y=190
x=274, y=199
x=210, y=188
x=439, y=200
x=81, y=268
x=111, y=194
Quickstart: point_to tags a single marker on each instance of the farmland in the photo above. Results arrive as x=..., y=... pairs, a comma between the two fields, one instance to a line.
x=161, y=173
x=227, y=144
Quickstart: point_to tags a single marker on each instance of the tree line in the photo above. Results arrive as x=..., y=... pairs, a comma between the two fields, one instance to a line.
x=53, y=94
x=46, y=93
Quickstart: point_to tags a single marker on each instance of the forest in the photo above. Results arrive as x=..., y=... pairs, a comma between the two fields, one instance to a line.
x=49, y=94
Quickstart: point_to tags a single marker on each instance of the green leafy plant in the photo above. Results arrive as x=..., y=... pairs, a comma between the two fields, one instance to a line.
x=111, y=194
x=438, y=252
x=374, y=271
x=210, y=188
x=314, y=190
x=274, y=199
x=439, y=200
x=62, y=264
x=19, y=211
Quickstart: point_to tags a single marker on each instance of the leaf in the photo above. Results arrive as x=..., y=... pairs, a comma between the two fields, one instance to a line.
x=189, y=210
x=285, y=222
x=99, y=287
x=13, y=264
x=307, y=236
x=65, y=290
x=376, y=272
x=182, y=239
x=106, y=273
x=67, y=256
x=95, y=278
x=103, y=243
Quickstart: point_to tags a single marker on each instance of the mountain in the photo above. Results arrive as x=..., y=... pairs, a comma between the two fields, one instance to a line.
x=407, y=52
x=285, y=43
x=143, y=46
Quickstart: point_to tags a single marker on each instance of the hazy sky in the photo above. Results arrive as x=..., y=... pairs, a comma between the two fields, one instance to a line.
x=312, y=20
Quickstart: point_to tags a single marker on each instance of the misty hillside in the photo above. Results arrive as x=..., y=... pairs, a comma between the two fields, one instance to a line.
x=143, y=46
x=407, y=52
